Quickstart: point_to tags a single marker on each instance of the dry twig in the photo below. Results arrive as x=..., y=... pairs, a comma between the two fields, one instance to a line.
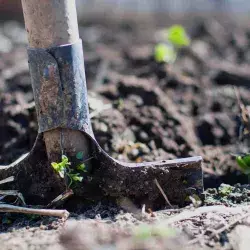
x=61, y=198
x=4, y=208
x=9, y=179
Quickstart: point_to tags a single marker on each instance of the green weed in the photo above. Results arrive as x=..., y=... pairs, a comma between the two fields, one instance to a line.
x=244, y=163
x=63, y=169
x=173, y=39
x=225, y=190
x=177, y=36
x=165, y=53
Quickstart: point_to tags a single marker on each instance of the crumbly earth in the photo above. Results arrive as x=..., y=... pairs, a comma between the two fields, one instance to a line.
x=142, y=111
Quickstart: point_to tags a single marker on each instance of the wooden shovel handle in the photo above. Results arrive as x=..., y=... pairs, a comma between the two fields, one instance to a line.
x=51, y=23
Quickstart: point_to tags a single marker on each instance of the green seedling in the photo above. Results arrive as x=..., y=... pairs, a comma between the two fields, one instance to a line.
x=243, y=162
x=63, y=168
x=177, y=36
x=81, y=167
x=173, y=39
x=74, y=177
x=225, y=189
x=165, y=53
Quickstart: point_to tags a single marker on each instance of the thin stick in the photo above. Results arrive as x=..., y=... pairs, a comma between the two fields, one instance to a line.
x=162, y=192
x=9, y=179
x=24, y=210
x=61, y=198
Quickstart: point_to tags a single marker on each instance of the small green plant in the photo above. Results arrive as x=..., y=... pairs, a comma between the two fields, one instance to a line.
x=173, y=39
x=165, y=53
x=225, y=189
x=63, y=169
x=81, y=167
x=177, y=36
x=62, y=166
x=244, y=164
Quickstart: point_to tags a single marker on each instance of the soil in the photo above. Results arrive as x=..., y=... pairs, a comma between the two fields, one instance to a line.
x=142, y=111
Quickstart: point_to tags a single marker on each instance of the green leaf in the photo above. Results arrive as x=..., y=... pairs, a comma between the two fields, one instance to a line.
x=55, y=166
x=76, y=177
x=64, y=158
x=164, y=53
x=177, y=35
x=79, y=155
x=65, y=161
x=60, y=167
x=246, y=159
x=61, y=173
x=225, y=189
x=244, y=163
x=81, y=167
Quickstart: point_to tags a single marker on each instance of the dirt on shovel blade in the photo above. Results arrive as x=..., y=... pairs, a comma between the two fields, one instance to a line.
x=142, y=111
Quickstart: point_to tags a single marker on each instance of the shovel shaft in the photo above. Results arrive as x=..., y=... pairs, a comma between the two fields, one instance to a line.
x=51, y=23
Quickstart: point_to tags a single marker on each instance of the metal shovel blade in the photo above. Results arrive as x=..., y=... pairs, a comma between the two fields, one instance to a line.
x=61, y=71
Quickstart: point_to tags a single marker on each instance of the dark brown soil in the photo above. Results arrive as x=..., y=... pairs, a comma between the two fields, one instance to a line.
x=142, y=111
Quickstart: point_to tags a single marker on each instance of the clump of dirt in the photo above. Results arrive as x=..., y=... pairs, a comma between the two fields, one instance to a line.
x=228, y=195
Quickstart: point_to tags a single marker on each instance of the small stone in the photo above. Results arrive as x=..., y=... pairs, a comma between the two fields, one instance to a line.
x=134, y=152
x=43, y=227
x=120, y=157
x=103, y=127
x=143, y=136
x=136, y=99
x=98, y=217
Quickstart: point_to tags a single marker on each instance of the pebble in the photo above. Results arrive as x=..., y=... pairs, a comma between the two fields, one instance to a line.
x=43, y=227
x=143, y=136
x=103, y=127
x=134, y=152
